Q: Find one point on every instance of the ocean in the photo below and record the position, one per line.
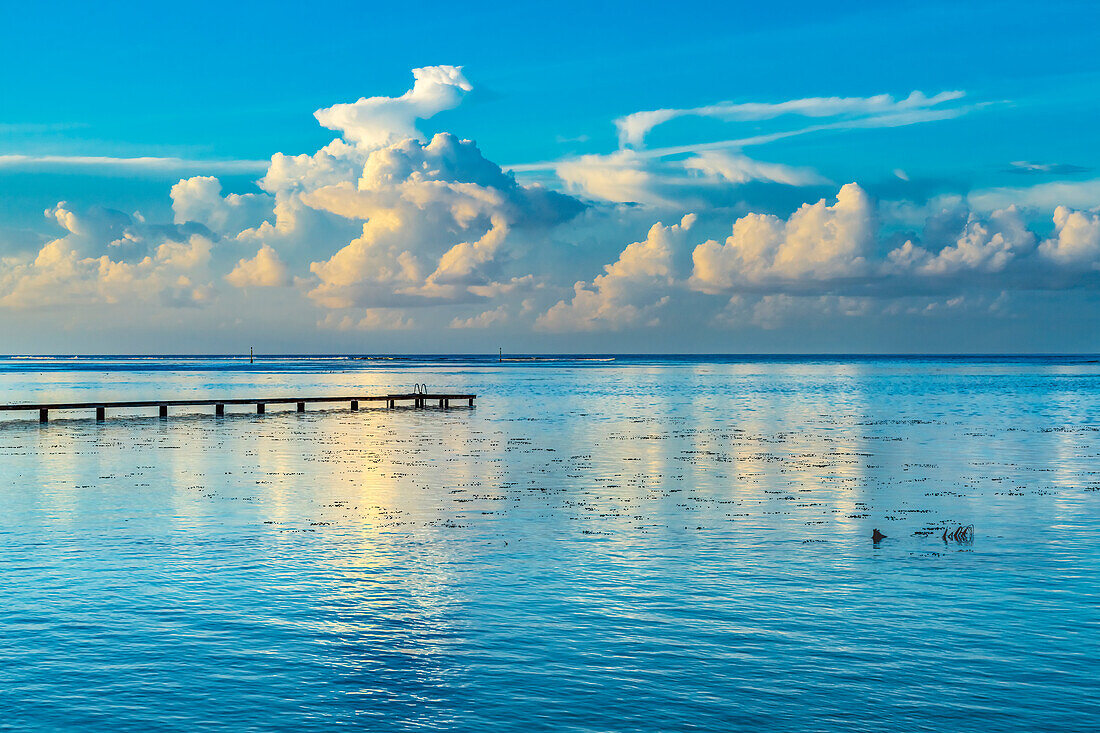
(609, 543)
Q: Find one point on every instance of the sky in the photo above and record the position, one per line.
(783, 177)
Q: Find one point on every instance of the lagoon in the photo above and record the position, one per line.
(604, 543)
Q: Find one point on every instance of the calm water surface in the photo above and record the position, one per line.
(632, 545)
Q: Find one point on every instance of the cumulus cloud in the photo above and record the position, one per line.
(373, 319)
(199, 199)
(295, 228)
(487, 319)
(983, 245)
(107, 256)
(826, 258)
(631, 290)
(1076, 240)
(436, 218)
(377, 121)
(525, 283)
(836, 247)
(775, 310)
(265, 270)
(382, 217)
(817, 242)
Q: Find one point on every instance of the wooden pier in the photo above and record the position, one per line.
(417, 399)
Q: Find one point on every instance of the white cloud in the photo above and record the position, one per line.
(296, 228)
(776, 310)
(148, 163)
(1076, 240)
(782, 310)
(199, 199)
(657, 177)
(817, 242)
(737, 168)
(833, 249)
(373, 319)
(622, 176)
(436, 217)
(265, 270)
(631, 290)
(516, 284)
(984, 246)
(383, 219)
(1032, 168)
(629, 176)
(489, 318)
(881, 108)
(109, 257)
(378, 121)
(1076, 194)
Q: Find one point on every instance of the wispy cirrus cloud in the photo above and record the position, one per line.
(904, 113)
(681, 174)
(1083, 194)
(880, 108)
(1028, 167)
(630, 176)
(145, 162)
(18, 128)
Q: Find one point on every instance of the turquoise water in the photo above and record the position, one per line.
(640, 544)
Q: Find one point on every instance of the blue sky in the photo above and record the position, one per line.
(773, 106)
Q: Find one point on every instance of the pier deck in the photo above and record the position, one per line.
(418, 399)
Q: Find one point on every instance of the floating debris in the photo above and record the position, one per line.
(962, 534)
